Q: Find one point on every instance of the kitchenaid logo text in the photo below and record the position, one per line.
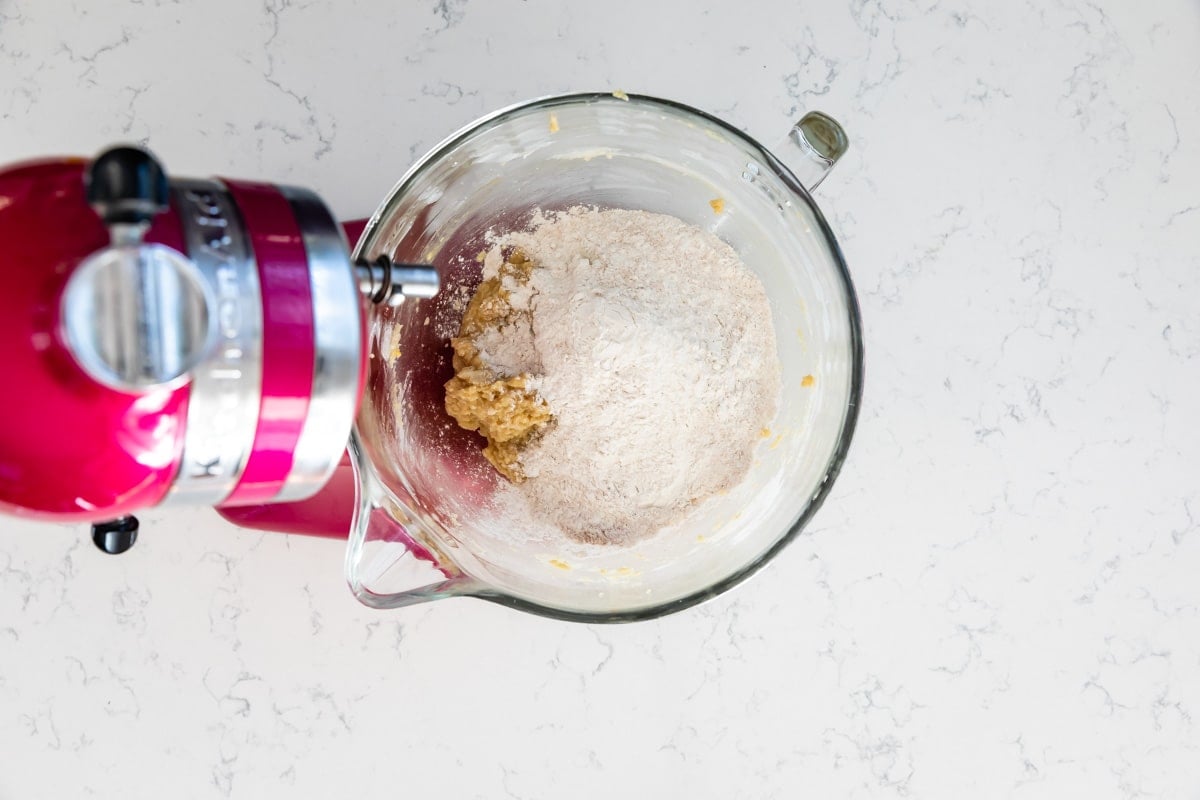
(219, 435)
(225, 368)
(214, 229)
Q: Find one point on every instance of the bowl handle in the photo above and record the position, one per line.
(813, 146)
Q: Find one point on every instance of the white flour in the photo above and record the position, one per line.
(653, 346)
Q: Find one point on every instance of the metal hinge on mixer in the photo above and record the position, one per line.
(384, 281)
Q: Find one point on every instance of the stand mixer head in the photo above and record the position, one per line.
(175, 340)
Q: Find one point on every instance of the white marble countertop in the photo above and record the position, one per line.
(1000, 597)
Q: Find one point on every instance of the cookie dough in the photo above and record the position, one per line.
(506, 409)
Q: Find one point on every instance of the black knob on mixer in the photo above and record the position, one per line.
(115, 536)
(126, 185)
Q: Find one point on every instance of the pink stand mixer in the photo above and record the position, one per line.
(215, 342)
(193, 341)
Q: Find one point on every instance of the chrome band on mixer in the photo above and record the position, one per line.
(226, 387)
(337, 345)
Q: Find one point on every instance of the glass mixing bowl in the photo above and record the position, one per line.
(425, 527)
